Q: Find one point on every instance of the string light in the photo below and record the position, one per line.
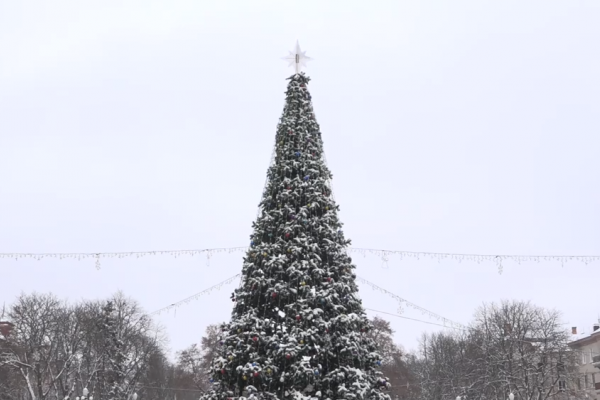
(196, 296)
(401, 302)
(447, 323)
(414, 319)
(499, 260)
(478, 258)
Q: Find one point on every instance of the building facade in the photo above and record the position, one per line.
(587, 347)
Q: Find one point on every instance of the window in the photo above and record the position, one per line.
(594, 379)
(562, 385)
(585, 381)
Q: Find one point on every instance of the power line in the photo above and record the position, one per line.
(171, 388)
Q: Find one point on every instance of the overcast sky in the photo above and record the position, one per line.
(461, 127)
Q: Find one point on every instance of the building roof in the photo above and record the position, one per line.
(584, 339)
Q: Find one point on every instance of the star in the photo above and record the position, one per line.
(297, 58)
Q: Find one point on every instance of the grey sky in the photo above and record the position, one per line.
(464, 127)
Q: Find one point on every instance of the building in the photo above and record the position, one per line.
(588, 348)
(5, 329)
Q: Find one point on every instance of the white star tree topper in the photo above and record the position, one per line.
(297, 58)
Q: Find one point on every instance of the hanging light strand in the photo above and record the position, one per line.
(403, 302)
(478, 258)
(196, 296)
(499, 259)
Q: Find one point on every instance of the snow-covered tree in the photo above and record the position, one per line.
(298, 329)
(196, 360)
(115, 356)
(513, 346)
(394, 366)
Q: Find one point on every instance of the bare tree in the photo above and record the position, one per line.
(43, 344)
(527, 349)
(511, 347)
(196, 360)
(55, 350)
(403, 382)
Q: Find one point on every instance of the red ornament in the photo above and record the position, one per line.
(273, 295)
(326, 330)
(328, 279)
(298, 317)
(287, 235)
(223, 371)
(288, 356)
(256, 374)
(255, 338)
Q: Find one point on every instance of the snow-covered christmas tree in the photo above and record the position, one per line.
(298, 329)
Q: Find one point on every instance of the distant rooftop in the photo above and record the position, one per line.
(583, 338)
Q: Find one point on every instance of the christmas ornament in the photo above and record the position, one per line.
(288, 356)
(256, 374)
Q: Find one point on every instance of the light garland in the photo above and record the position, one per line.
(125, 254)
(383, 254)
(404, 302)
(414, 319)
(196, 296)
(478, 258)
(401, 301)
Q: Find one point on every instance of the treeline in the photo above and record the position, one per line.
(53, 350)
(50, 349)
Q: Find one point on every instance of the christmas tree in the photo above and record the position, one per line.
(298, 329)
